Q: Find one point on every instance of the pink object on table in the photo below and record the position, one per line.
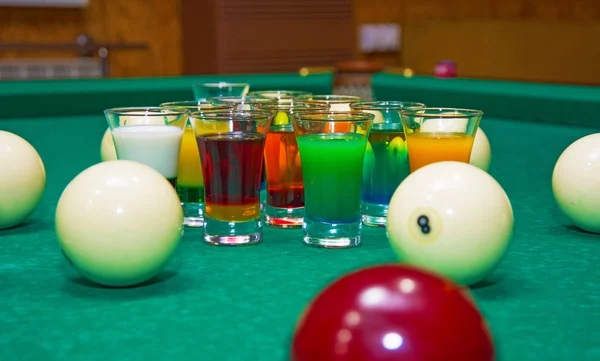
(445, 69)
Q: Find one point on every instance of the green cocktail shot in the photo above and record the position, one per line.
(332, 192)
(332, 150)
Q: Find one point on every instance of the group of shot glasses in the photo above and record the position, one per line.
(328, 164)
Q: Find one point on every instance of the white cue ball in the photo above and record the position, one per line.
(443, 125)
(481, 155)
(378, 116)
(576, 182)
(22, 179)
(107, 147)
(339, 107)
(119, 222)
(451, 218)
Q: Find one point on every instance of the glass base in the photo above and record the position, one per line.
(193, 214)
(245, 240)
(284, 217)
(222, 233)
(193, 222)
(332, 235)
(374, 215)
(263, 200)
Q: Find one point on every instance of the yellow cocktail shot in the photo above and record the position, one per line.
(190, 181)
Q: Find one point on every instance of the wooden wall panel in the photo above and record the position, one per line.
(543, 40)
(378, 11)
(39, 25)
(411, 10)
(261, 36)
(227, 35)
(284, 35)
(200, 41)
(545, 51)
(156, 22)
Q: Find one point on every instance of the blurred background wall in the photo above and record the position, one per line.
(536, 40)
(542, 40)
(156, 23)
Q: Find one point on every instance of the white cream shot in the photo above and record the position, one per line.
(154, 145)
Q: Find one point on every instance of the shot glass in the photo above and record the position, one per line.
(439, 134)
(190, 184)
(149, 135)
(386, 158)
(244, 103)
(204, 91)
(336, 103)
(285, 186)
(332, 149)
(280, 94)
(249, 103)
(231, 149)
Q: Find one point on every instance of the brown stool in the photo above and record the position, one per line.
(354, 77)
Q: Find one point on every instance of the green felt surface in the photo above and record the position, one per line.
(542, 303)
(212, 303)
(89, 96)
(552, 103)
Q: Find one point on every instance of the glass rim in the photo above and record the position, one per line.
(222, 84)
(159, 111)
(234, 115)
(293, 106)
(334, 116)
(329, 98)
(386, 105)
(242, 99)
(291, 93)
(452, 113)
(193, 104)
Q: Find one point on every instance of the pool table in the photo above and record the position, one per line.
(214, 303)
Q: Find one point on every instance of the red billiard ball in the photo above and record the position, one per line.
(392, 312)
(445, 69)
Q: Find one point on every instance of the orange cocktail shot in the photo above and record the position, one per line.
(190, 183)
(285, 184)
(439, 134)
